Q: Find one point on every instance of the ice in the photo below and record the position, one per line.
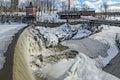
(108, 35)
(84, 69)
(59, 69)
(82, 33)
(52, 36)
(101, 46)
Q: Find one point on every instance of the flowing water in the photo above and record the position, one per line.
(21, 68)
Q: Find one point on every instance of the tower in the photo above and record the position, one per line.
(14, 4)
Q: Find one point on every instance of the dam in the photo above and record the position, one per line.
(15, 67)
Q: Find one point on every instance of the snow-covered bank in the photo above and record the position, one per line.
(52, 36)
(84, 69)
(42, 39)
(108, 35)
(113, 18)
(6, 33)
(100, 46)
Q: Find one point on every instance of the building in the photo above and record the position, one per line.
(31, 10)
(76, 14)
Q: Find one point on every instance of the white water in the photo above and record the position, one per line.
(21, 66)
(80, 68)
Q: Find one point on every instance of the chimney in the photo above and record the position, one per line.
(69, 5)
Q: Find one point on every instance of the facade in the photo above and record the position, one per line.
(31, 10)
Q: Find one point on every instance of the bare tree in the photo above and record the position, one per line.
(105, 9)
(64, 7)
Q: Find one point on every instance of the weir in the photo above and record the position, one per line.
(6, 73)
(21, 68)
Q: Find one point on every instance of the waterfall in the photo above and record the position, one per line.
(21, 67)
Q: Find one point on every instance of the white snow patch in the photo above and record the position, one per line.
(84, 69)
(108, 35)
(55, 71)
(53, 36)
(102, 44)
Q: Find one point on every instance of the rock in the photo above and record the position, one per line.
(38, 63)
(71, 54)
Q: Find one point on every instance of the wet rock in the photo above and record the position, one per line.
(71, 54)
(59, 48)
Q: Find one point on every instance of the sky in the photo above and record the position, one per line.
(78, 0)
(82, 0)
(77, 3)
(92, 0)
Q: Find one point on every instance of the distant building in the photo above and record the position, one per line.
(76, 14)
(31, 10)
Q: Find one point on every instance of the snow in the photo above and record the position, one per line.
(57, 70)
(82, 34)
(101, 46)
(44, 17)
(6, 33)
(109, 36)
(84, 69)
(95, 52)
(52, 36)
(54, 17)
(113, 18)
(14, 13)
